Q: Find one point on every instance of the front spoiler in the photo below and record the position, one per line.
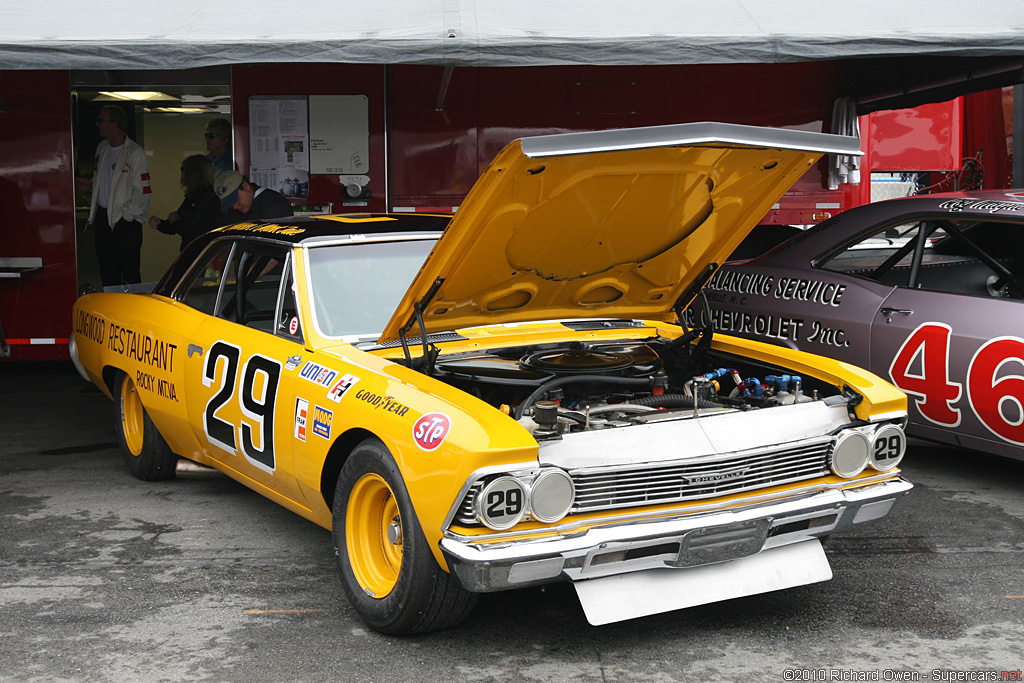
(677, 542)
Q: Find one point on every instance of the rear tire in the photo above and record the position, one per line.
(394, 584)
(145, 453)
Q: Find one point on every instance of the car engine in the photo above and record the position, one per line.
(552, 389)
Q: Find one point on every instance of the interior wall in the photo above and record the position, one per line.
(168, 139)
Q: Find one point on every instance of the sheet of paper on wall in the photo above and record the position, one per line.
(339, 134)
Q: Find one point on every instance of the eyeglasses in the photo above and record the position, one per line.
(210, 136)
(102, 120)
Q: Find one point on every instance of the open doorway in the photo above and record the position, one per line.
(167, 115)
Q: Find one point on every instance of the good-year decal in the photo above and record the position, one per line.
(256, 387)
(995, 385)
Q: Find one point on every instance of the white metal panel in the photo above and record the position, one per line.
(639, 594)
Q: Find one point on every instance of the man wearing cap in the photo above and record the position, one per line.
(254, 202)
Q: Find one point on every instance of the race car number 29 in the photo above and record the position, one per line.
(256, 430)
(921, 369)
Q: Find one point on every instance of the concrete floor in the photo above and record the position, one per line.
(106, 578)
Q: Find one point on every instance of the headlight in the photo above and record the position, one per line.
(502, 503)
(850, 455)
(551, 495)
(887, 448)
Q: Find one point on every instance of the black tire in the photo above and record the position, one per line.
(145, 453)
(396, 588)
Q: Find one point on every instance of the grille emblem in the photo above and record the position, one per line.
(716, 478)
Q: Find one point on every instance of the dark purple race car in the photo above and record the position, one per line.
(927, 291)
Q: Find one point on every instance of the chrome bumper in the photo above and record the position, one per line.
(682, 541)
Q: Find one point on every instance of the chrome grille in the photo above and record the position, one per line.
(604, 489)
(622, 487)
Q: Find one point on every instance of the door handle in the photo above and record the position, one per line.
(887, 311)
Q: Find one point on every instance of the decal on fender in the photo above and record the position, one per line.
(322, 419)
(301, 415)
(341, 387)
(430, 431)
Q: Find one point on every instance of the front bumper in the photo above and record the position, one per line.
(683, 541)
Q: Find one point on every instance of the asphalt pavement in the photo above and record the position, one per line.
(106, 578)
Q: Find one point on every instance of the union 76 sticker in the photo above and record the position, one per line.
(430, 431)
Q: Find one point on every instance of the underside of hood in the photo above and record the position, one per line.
(618, 224)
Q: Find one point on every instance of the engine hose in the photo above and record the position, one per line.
(574, 379)
(673, 401)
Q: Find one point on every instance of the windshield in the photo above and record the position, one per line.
(357, 287)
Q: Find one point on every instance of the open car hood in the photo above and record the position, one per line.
(618, 224)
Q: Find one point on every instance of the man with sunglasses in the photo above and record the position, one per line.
(120, 199)
(218, 147)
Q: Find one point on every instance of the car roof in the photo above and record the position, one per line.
(298, 229)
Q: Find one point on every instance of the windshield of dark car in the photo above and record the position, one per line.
(355, 288)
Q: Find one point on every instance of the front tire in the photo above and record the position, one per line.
(387, 568)
(146, 454)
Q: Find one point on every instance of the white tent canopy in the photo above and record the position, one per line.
(185, 34)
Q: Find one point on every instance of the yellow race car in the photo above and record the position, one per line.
(508, 397)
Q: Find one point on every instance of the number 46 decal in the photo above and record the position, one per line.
(998, 402)
(256, 429)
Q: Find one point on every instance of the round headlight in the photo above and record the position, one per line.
(502, 503)
(887, 448)
(551, 496)
(850, 455)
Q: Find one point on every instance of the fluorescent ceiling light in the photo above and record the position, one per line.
(134, 95)
(178, 110)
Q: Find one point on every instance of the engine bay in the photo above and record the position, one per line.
(558, 388)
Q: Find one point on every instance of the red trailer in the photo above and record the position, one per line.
(416, 138)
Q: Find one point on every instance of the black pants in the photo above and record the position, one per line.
(118, 249)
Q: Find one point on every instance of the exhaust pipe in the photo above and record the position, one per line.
(189, 469)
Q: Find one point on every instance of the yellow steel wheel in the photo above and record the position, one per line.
(132, 417)
(143, 449)
(376, 559)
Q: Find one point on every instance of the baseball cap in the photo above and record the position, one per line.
(227, 182)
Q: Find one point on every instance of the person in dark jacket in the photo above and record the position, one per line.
(200, 211)
(254, 202)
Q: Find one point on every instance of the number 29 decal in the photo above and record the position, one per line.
(995, 385)
(257, 395)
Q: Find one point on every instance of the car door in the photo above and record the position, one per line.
(953, 339)
(242, 360)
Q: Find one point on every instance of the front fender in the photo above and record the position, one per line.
(881, 398)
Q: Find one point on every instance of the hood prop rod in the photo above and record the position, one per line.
(696, 287)
(417, 317)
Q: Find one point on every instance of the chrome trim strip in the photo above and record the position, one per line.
(593, 554)
(705, 132)
(707, 508)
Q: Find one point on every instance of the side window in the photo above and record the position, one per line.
(975, 258)
(257, 290)
(288, 325)
(199, 288)
(885, 256)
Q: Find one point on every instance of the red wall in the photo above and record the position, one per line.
(437, 154)
(37, 213)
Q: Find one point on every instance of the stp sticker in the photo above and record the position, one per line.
(301, 414)
(342, 386)
(430, 431)
(293, 325)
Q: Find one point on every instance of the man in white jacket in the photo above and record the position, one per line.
(120, 199)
